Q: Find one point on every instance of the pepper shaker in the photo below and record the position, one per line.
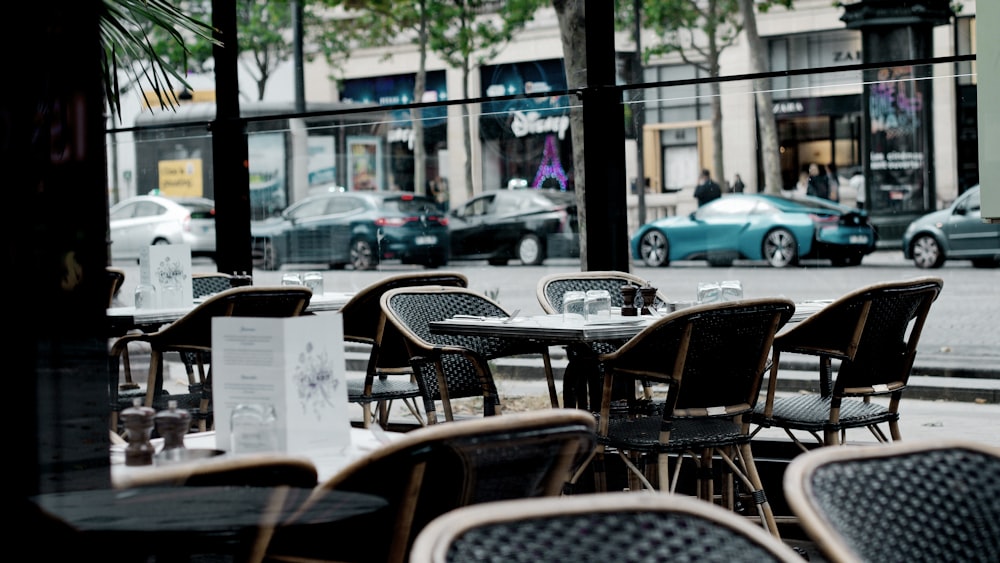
(628, 300)
(172, 424)
(138, 428)
(648, 294)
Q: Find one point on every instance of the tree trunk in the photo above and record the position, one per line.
(419, 86)
(769, 148)
(572, 31)
(718, 168)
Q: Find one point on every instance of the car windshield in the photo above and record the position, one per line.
(199, 210)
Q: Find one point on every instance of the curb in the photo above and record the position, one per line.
(935, 378)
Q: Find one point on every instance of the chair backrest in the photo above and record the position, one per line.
(194, 330)
(250, 470)
(874, 331)
(364, 311)
(550, 289)
(210, 283)
(361, 314)
(596, 528)
(715, 355)
(115, 277)
(434, 469)
(900, 501)
(463, 359)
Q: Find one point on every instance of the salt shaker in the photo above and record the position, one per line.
(648, 294)
(138, 428)
(172, 424)
(628, 300)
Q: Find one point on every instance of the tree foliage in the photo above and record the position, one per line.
(129, 31)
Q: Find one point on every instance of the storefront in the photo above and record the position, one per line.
(526, 142)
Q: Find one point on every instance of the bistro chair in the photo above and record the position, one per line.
(435, 469)
(116, 278)
(936, 500)
(448, 366)
(873, 332)
(203, 285)
(245, 470)
(193, 333)
(596, 528)
(711, 360)
(583, 372)
(388, 358)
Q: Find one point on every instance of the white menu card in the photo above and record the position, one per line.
(296, 365)
(167, 267)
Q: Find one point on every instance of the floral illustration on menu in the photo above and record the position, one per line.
(315, 381)
(171, 272)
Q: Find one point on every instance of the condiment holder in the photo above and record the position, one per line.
(138, 421)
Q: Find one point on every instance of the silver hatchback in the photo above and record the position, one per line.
(957, 232)
(145, 220)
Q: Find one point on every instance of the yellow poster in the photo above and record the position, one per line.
(181, 178)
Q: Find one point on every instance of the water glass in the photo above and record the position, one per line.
(574, 303)
(172, 297)
(291, 279)
(598, 305)
(314, 281)
(709, 292)
(732, 290)
(253, 428)
(145, 296)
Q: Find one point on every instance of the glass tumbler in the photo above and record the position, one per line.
(253, 427)
(145, 296)
(291, 279)
(314, 281)
(574, 306)
(732, 290)
(598, 305)
(709, 292)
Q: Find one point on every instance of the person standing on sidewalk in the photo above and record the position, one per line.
(738, 184)
(819, 183)
(707, 189)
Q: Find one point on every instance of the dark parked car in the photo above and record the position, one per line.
(356, 228)
(526, 224)
(955, 233)
(773, 228)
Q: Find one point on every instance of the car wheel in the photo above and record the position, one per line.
(986, 263)
(362, 255)
(161, 241)
(926, 252)
(530, 251)
(654, 249)
(780, 249)
(266, 256)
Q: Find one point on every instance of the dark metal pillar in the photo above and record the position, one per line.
(230, 153)
(897, 104)
(604, 139)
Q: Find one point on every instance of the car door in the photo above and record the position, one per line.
(136, 225)
(469, 235)
(340, 225)
(717, 226)
(966, 231)
(307, 235)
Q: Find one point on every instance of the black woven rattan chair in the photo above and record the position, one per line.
(193, 333)
(874, 333)
(116, 278)
(446, 366)
(388, 358)
(582, 372)
(899, 502)
(711, 358)
(596, 528)
(203, 285)
(434, 469)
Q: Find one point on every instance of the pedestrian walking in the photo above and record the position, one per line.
(738, 184)
(707, 189)
(819, 183)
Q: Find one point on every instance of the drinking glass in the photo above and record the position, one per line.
(598, 305)
(709, 292)
(574, 305)
(291, 279)
(732, 290)
(314, 281)
(253, 427)
(145, 296)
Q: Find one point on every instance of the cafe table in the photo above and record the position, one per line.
(124, 319)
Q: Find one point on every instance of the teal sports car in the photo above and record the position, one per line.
(776, 229)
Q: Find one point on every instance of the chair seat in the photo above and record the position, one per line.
(811, 413)
(383, 389)
(643, 434)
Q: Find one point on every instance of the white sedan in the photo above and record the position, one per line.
(141, 221)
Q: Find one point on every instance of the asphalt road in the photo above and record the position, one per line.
(962, 324)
